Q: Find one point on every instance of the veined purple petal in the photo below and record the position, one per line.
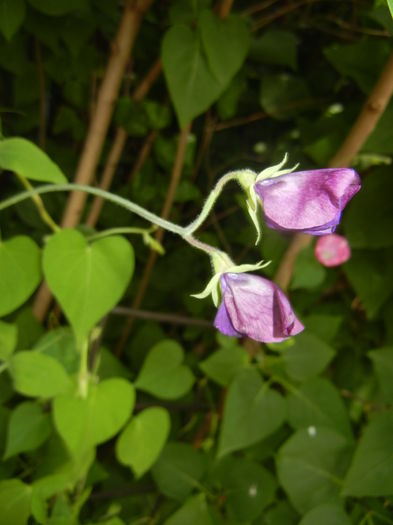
(256, 307)
(307, 201)
(223, 323)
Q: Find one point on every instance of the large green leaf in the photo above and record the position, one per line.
(178, 470)
(12, 14)
(318, 403)
(368, 222)
(383, 365)
(26, 159)
(225, 43)
(247, 487)
(87, 279)
(143, 439)
(194, 512)
(8, 339)
(252, 411)
(20, 272)
(163, 374)
(311, 465)
(84, 423)
(28, 428)
(370, 274)
(38, 375)
(326, 514)
(303, 357)
(14, 502)
(191, 83)
(371, 472)
(224, 364)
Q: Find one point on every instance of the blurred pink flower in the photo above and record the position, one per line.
(332, 250)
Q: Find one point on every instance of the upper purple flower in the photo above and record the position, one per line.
(255, 307)
(307, 201)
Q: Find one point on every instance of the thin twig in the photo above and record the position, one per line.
(161, 317)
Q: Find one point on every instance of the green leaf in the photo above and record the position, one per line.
(12, 14)
(143, 439)
(61, 345)
(318, 403)
(305, 356)
(282, 96)
(38, 375)
(248, 487)
(371, 472)
(59, 7)
(307, 272)
(326, 514)
(390, 4)
(178, 470)
(84, 423)
(194, 512)
(26, 159)
(192, 85)
(383, 365)
(20, 272)
(311, 465)
(281, 514)
(277, 48)
(14, 502)
(371, 229)
(8, 339)
(224, 364)
(163, 374)
(87, 279)
(252, 411)
(225, 43)
(361, 62)
(28, 428)
(369, 272)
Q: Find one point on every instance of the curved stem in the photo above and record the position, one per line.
(115, 199)
(215, 193)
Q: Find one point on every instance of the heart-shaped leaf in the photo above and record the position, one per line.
(84, 423)
(20, 272)
(225, 43)
(162, 373)
(28, 428)
(87, 279)
(191, 83)
(252, 411)
(8, 339)
(12, 14)
(26, 159)
(38, 375)
(141, 442)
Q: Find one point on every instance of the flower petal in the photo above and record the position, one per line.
(223, 323)
(332, 250)
(307, 201)
(258, 308)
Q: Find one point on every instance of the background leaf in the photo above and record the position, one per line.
(26, 159)
(141, 442)
(12, 14)
(19, 270)
(87, 280)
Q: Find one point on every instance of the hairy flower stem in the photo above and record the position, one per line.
(184, 232)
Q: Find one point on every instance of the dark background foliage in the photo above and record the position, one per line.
(221, 431)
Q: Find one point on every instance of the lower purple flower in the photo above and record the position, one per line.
(307, 201)
(255, 307)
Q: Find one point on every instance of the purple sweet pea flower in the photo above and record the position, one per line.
(255, 307)
(307, 201)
